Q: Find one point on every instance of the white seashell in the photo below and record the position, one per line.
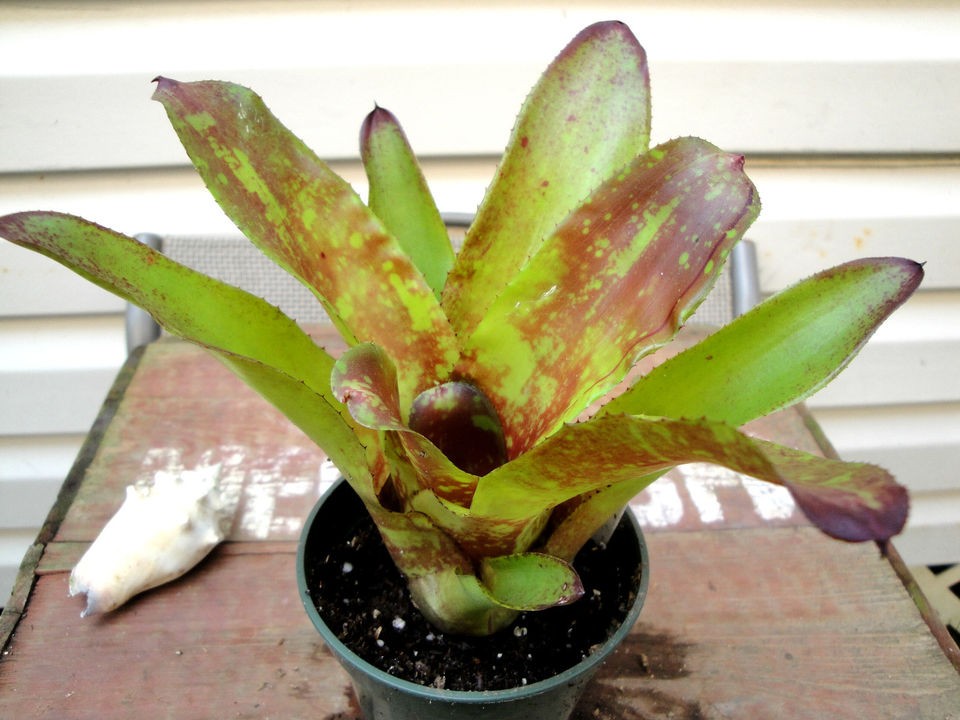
(158, 534)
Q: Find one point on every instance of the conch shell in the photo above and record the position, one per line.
(160, 532)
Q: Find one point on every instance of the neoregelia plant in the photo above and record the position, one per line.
(453, 412)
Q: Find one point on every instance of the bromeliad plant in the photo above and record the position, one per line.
(453, 414)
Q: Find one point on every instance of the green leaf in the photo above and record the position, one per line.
(779, 353)
(318, 418)
(586, 457)
(590, 512)
(365, 380)
(399, 196)
(458, 604)
(614, 282)
(261, 344)
(440, 577)
(530, 581)
(588, 116)
(418, 547)
(461, 603)
(312, 223)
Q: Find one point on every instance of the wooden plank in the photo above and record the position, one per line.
(228, 643)
(726, 632)
(815, 212)
(34, 285)
(840, 111)
(763, 618)
(30, 343)
(780, 623)
(25, 502)
(935, 522)
(32, 470)
(23, 585)
(185, 412)
(14, 544)
(930, 544)
(42, 458)
(63, 365)
(892, 373)
(31, 473)
(791, 249)
(69, 399)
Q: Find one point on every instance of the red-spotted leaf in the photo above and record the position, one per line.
(440, 577)
(848, 501)
(459, 419)
(585, 457)
(399, 196)
(417, 545)
(312, 223)
(481, 535)
(614, 282)
(581, 518)
(587, 117)
(365, 380)
(852, 501)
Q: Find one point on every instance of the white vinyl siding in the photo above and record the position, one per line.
(849, 116)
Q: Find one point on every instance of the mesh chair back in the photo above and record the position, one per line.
(736, 290)
(236, 261)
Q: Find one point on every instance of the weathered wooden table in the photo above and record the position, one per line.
(751, 613)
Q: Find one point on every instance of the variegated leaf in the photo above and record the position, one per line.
(312, 223)
(365, 380)
(530, 581)
(614, 282)
(852, 501)
(587, 117)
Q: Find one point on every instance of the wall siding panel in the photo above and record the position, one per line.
(853, 142)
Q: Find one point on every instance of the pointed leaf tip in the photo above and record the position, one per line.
(615, 280)
(604, 28)
(374, 120)
(401, 199)
(164, 85)
(850, 501)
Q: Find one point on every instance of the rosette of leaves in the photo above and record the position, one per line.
(453, 413)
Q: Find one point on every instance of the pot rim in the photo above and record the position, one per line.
(584, 667)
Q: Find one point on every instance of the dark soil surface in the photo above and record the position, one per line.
(363, 599)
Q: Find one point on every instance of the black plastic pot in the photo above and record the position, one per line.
(384, 697)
